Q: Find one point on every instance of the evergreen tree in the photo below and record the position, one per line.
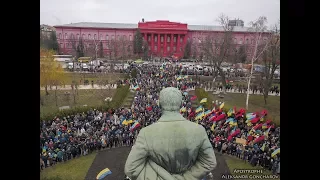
(101, 50)
(187, 50)
(137, 42)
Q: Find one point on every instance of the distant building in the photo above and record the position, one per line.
(164, 38)
(236, 22)
(46, 31)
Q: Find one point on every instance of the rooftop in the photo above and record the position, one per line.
(134, 26)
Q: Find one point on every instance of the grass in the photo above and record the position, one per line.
(256, 103)
(92, 77)
(235, 163)
(75, 169)
(89, 97)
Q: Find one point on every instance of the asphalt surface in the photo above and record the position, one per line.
(115, 160)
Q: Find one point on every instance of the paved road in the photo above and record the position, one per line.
(115, 159)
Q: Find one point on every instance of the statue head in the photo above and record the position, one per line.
(170, 99)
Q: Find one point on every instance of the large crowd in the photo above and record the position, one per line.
(65, 138)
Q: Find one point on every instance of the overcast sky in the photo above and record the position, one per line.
(201, 12)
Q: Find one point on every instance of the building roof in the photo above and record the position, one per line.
(215, 28)
(134, 26)
(101, 25)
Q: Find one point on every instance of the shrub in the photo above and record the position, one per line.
(117, 100)
(134, 73)
(201, 93)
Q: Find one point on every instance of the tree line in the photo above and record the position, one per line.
(221, 48)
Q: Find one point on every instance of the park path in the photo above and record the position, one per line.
(115, 159)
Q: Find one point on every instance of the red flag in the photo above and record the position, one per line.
(261, 138)
(258, 126)
(255, 120)
(193, 98)
(236, 132)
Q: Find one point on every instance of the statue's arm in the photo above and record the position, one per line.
(206, 161)
(137, 157)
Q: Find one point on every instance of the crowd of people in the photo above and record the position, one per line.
(65, 138)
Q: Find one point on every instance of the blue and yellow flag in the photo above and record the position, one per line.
(263, 147)
(266, 133)
(183, 109)
(212, 127)
(200, 108)
(221, 105)
(204, 100)
(230, 112)
(199, 116)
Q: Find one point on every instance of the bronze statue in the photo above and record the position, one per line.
(173, 148)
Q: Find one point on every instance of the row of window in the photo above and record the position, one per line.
(234, 40)
(162, 39)
(168, 48)
(94, 36)
(106, 46)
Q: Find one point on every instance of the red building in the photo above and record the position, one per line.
(164, 38)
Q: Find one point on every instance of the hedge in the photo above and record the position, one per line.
(201, 93)
(117, 100)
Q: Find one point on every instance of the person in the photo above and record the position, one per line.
(172, 148)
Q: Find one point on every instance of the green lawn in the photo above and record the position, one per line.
(235, 163)
(256, 103)
(89, 97)
(92, 77)
(75, 169)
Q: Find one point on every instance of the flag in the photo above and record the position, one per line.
(258, 126)
(105, 172)
(122, 119)
(221, 105)
(261, 138)
(263, 147)
(127, 122)
(233, 130)
(135, 126)
(212, 127)
(199, 116)
(229, 120)
(264, 126)
(275, 152)
(137, 88)
(149, 107)
(200, 108)
(229, 113)
(250, 116)
(193, 98)
(204, 100)
(266, 133)
(213, 109)
(183, 109)
(208, 112)
(233, 123)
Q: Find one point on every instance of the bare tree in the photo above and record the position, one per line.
(113, 48)
(94, 46)
(258, 29)
(271, 60)
(218, 49)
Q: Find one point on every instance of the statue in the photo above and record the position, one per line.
(171, 149)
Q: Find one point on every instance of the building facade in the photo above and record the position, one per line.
(164, 38)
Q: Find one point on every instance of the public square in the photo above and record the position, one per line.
(100, 84)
